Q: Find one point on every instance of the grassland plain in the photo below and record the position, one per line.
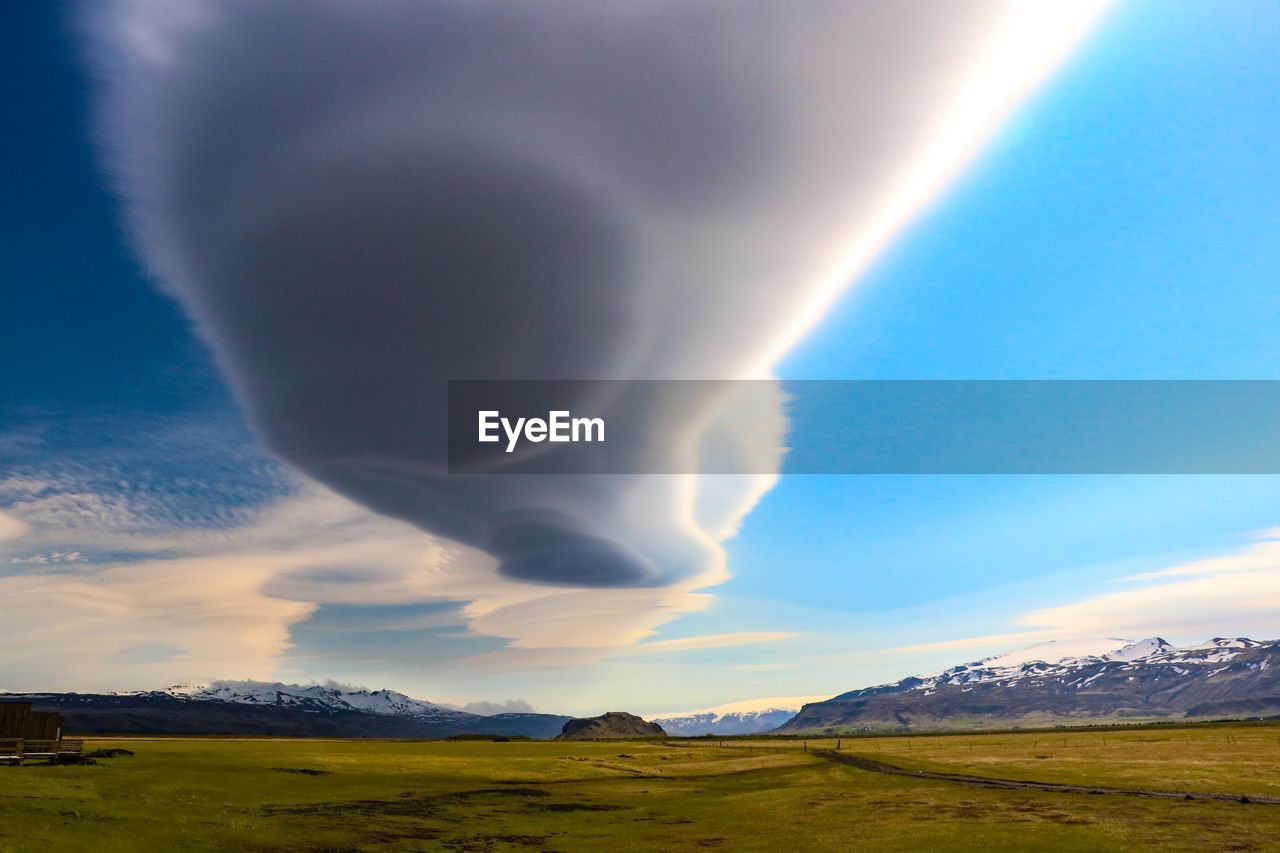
(765, 794)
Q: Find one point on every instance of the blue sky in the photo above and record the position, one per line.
(1121, 224)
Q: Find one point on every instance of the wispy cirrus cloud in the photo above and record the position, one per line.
(1237, 593)
(1005, 640)
(172, 479)
(11, 527)
(1263, 555)
(714, 641)
(142, 598)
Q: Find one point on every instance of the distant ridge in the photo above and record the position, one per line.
(726, 723)
(1108, 680)
(314, 697)
(286, 710)
(1104, 680)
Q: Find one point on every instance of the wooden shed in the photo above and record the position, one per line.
(13, 719)
(25, 733)
(42, 725)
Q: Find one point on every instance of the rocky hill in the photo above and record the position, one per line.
(615, 724)
(1050, 684)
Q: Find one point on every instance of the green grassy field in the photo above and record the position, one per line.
(212, 794)
(1232, 759)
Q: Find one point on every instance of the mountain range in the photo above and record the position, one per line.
(1103, 681)
(725, 723)
(270, 708)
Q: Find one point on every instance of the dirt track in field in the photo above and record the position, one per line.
(870, 765)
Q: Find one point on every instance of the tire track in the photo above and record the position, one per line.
(870, 765)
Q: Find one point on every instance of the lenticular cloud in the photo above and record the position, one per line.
(359, 201)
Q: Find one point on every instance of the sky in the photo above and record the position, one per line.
(208, 469)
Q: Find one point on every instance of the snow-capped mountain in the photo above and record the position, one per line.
(752, 716)
(732, 723)
(272, 708)
(316, 697)
(1051, 683)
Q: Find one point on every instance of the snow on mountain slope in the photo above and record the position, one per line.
(1139, 650)
(1056, 650)
(1114, 680)
(286, 710)
(1047, 659)
(747, 706)
(733, 723)
(318, 697)
(750, 716)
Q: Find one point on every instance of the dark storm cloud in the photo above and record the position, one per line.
(360, 201)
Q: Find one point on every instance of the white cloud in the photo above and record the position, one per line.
(1264, 556)
(11, 527)
(488, 709)
(1235, 593)
(81, 631)
(1010, 639)
(714, 641)
(746, 706)
(224, 602)
(46, 559)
